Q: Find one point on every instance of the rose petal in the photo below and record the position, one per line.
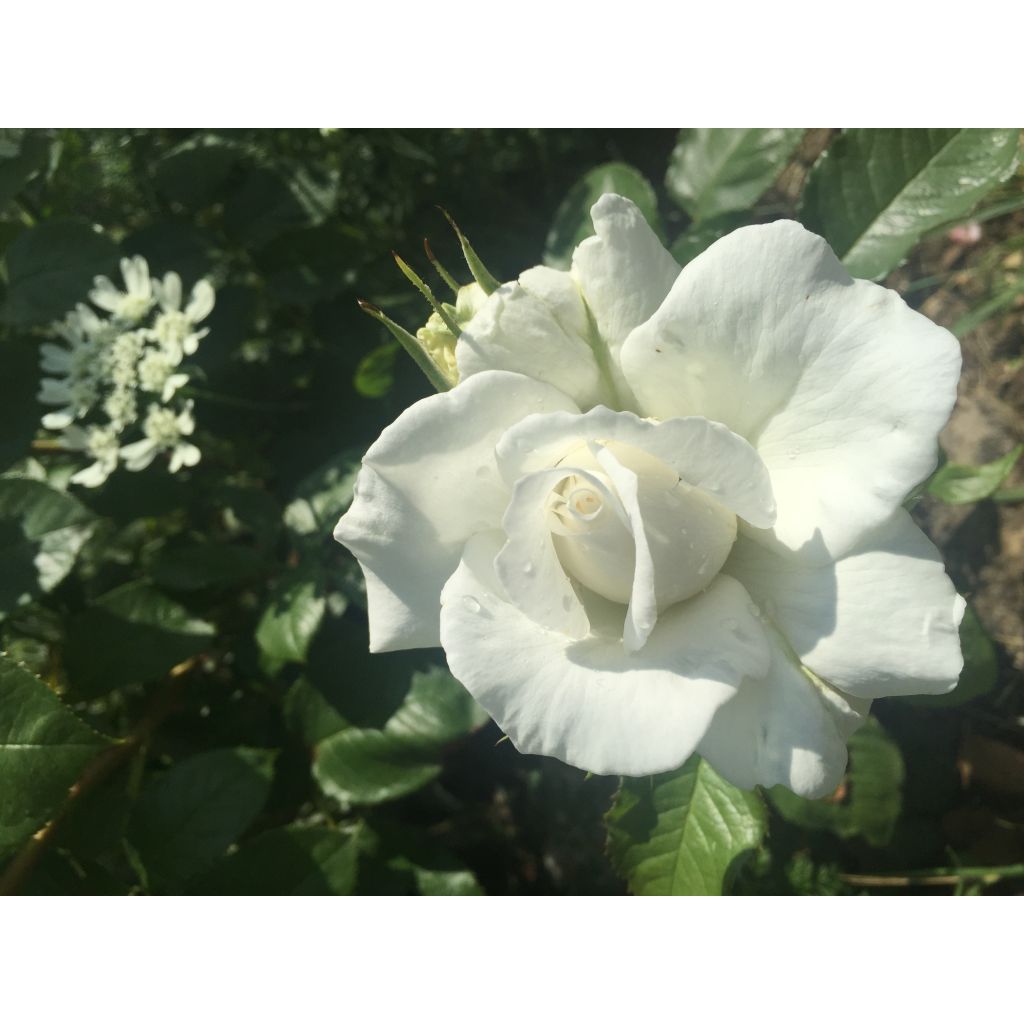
(542, 333)
(840, 386)
(623, 271)
(783, 730)
(427, 484)
(881, 621)
(704, 454)
(589, 702)
(642, 613)
(528, 566)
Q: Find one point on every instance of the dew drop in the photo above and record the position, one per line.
(566, 602)
(528, 568)
(482, 471)
(471, 604)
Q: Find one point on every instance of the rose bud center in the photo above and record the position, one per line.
(688, 532)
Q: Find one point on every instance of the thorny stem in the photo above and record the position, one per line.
(96, 771)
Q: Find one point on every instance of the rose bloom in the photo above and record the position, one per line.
(661, 512)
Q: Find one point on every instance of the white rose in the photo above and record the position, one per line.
(661, 511)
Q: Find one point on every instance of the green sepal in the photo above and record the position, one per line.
(411, 345)
(481, 274)
(427, 293)
(440, 268)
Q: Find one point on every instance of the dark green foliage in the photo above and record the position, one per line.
(50, 267)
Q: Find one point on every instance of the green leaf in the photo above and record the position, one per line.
(41, 532)
(205, 564)
(347, 686)
(956, 484)
(261, 207)
(402, 861)
(324, 495)
(188, 816)
(21, 159)
(368, 766)
(572, 221)
(698, 237)
(876, 191)
(293, 614)
(297, 860)
(981, 667)
(681, 833)
(173, 246)
(133, 634)
(43, 750)
(872, 799)
(716, 170)
(20, 410)
(50, 267)
(375, 374)
(196, 172)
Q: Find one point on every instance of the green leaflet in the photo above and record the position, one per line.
(43, 749)
(681, 834)
(368, 766)
(876, 191)
(296, 860)
(133, 634)
(187, 816)
(718, 170)
(293, 613)
(41, 532)
(50, 267)
(957, 484)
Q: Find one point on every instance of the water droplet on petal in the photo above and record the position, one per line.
(566, 602)
(528, 568)
(471, 604)
(482, 471)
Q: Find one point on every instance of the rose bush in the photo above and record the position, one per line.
(661, 512)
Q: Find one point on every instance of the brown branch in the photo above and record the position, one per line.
(164, 703)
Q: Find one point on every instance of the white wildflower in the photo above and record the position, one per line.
(164, 430)
(122, 408)
(157, 376)
(133, 304)
(174, 328)
(108, 361)
(98, 442)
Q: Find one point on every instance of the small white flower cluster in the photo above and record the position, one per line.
(112, 365)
